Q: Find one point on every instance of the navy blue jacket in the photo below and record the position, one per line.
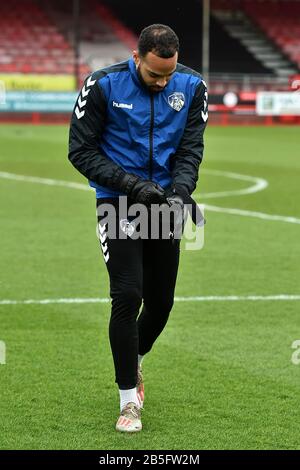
(118, 124)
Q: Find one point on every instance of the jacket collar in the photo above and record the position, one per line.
(136, 76)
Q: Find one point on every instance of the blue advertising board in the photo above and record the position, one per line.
(42, 102)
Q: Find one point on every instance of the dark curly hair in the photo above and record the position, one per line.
(159, 39)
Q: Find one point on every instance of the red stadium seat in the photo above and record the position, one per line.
(30, 42)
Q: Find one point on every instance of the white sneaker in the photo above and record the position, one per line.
(130, 419)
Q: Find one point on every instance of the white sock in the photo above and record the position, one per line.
(140, 359)
(127, 396)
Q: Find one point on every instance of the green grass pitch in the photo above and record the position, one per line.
(220, 376)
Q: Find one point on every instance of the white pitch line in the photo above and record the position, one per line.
(56, 301)
(46, 181)
(209, 298)
(257, 215)
(85, 187)
(259, 185)
(232, 298)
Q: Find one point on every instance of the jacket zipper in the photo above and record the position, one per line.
(151, 137)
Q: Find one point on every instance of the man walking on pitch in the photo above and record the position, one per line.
(137, 131)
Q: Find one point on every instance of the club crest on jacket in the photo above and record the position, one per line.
(176, 100)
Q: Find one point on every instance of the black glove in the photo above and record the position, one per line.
(173, 197)
(194, 210)
(142, 191)
(175, 201)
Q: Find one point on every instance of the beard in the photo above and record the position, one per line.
(153, 88)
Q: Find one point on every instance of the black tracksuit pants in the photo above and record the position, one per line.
(142, 273)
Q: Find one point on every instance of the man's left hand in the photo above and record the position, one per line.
(175, 201)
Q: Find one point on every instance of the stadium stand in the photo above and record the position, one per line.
(280, 22)
(99, 44)
(31, 43)
(37, 36)
(269, 29)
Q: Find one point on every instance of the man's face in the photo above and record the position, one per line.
(155, 71)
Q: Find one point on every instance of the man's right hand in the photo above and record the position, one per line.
(143, 191)
(147, 192)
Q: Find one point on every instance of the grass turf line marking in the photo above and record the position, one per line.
(257, 215)
(259, 185)
(46, 181)
(232, 211)
(207, 298)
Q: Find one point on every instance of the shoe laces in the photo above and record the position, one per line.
(131, 409)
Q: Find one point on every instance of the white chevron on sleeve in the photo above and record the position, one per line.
(79, 113)
(204, 116)
(90, 81)
(102, 228)
(102, 238)
(104, 248)
(85, 92)
(81, 103)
